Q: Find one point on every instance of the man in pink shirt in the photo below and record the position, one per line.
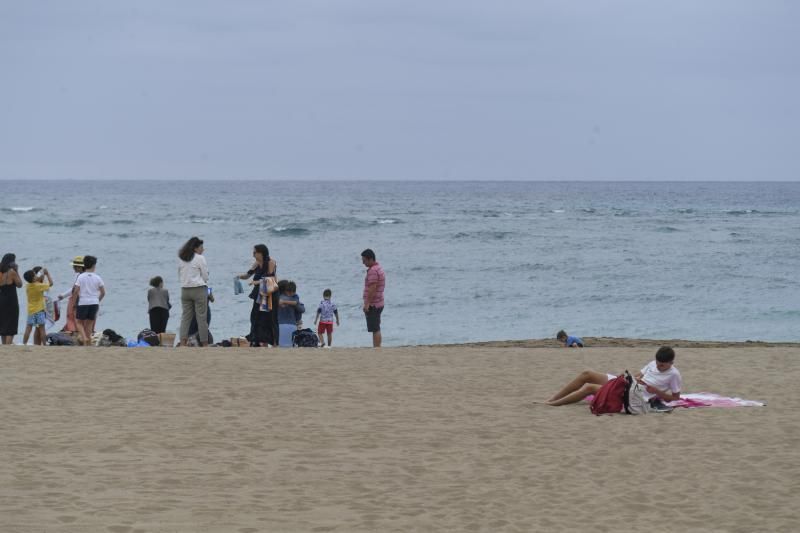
(373, 295)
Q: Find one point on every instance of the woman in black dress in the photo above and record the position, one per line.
(9, 304)
(263, 325)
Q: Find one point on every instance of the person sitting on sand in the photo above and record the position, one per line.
(569, 341)
(660, 378)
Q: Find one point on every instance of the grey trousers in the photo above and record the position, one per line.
(194, 301)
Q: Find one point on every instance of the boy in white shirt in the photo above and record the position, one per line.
(326, 312)
(660, 378)
(90, 291)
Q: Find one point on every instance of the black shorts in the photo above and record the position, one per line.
(86, 312)
(373, 315)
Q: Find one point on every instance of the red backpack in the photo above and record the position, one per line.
(610, 397)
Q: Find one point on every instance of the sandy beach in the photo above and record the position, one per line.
(402, 439)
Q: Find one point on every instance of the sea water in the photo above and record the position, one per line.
(464, 261)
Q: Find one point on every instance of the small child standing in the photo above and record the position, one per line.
(35, 290)
(90, 292)
(570, 341)
(325, 313)
(158, 305)
(290, 313)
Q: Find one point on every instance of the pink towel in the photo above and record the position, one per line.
(709, 399)
(705, 399)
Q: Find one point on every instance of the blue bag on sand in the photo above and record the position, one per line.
(134, 343)
(237, 286)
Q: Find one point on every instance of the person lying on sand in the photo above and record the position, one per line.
(569, 341)
(660, 379)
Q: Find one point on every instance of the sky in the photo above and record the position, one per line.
(409, 89)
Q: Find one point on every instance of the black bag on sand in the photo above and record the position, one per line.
(150, 337)
(60, 339)
(305, 338)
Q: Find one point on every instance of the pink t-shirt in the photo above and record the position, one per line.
(375, 275)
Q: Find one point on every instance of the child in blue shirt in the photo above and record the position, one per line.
(290, 313)
(570, 341)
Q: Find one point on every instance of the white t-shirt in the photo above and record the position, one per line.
(193, 273)
(89, 284)
(669, 380)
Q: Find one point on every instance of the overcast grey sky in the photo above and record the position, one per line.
(411, 89)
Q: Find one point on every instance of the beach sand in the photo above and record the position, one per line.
(401, 439)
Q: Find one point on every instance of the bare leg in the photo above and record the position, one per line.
(576, 396)
(376, 339)
(585, 377)
(330, 336)
(8, 339)
(39, 336)
(82, 336)
(27, 335)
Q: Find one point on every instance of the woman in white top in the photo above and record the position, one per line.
(193, 273)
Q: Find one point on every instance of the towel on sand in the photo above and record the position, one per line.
(709, 399)
(705, 399)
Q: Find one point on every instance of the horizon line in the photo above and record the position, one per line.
(416, 180)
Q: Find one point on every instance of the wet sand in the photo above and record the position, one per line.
(404, 439)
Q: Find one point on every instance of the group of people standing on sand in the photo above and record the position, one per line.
(85, 295)
(276, 310)
(275, 315)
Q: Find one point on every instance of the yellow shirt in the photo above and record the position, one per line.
(35, 292)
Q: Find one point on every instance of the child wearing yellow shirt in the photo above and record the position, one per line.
(35, 290)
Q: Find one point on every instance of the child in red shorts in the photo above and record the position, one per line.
(325, 313)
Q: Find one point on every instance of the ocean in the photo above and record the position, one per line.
(464, 261)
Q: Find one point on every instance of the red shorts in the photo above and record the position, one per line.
(325, 327)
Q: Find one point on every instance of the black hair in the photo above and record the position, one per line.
(326, 293)
(186, 252)
(282, 286)
(7, 262)
(665, 354)
(561, 335)
(155, 281)
(264, 251)
(369, 254)
(29, 276)
(89, 261)
(291, 286)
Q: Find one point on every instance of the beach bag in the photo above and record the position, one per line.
(305, 338)
(60, 339)
(111, 338)
(52, 310)
(634, 401)
(150, 337)
(610, 399)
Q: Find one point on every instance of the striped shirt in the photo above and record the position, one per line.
(375, 275)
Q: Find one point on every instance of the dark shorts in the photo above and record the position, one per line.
(87, 312)
(373, 315)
